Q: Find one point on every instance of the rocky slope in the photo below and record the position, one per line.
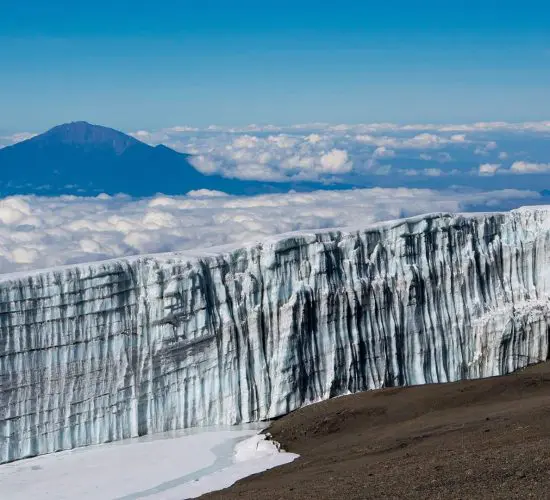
(105, 351)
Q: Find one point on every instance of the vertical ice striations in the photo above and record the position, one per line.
(95, 353)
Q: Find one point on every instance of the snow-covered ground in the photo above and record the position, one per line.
(171, 466)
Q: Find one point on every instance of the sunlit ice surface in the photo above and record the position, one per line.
(174, 465)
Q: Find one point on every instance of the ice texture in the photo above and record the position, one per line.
(116, 349)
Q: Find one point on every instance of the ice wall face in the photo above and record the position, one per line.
(111, 350)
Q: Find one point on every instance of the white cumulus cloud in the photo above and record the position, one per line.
(336, 161)
(488, 169)
(523, 167)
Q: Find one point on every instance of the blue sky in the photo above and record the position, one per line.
(138, 65)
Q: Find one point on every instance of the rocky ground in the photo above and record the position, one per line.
(474, 439)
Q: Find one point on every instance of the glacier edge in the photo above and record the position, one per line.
(132, 346)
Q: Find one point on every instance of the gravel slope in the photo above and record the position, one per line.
(474, 439)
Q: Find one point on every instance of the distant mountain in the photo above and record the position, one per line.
(80, 158)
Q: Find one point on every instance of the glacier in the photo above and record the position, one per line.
(116, 349)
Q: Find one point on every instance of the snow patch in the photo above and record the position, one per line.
(257, 446)
(161, 467)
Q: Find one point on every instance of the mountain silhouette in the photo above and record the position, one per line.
(80, 158)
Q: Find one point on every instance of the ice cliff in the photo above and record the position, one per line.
(105, 351)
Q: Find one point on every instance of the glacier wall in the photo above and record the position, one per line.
(106, 351)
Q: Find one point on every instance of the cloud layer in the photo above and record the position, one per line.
(38, 232)
(334, 152)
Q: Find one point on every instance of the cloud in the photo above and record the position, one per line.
(14, 210)
(183, 128)
(543, 126)
(38, 232)
(313, 156)
(141, 135)
(366, 128)
(420, 141)
(10, 140)
(383, 170)
(485, 149)
(275, 157)
(205, 164)
(523, 167)
(383, 152)
(314, 138)
(432, 172)
(336, 161)
(306, 151)
(429, 172)
(206, 193)
(488, 169)
(443, 157)
(245, 142)
(458, 138)
(284, 141)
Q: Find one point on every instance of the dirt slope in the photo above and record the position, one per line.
(473, 439)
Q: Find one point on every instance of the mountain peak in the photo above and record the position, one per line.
(85, 134)
(86, 159)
